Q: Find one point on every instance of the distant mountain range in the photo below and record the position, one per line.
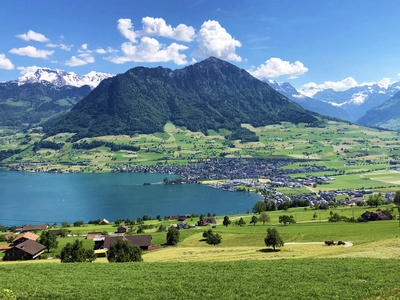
(60, 78)
(43, 94)
(386, 115)
(351, 105)
(212, 94)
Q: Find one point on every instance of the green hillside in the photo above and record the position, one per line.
(209, 95)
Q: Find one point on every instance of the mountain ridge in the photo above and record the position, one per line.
(211, 94)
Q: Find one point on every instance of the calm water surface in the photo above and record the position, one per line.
(48, 198)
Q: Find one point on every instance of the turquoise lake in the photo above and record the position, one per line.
(49, 198)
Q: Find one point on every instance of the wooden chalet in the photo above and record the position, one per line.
(376, 216)
(104, 222)
(29, 227)
(104, 242)
(207, 221)
(26, 250)
(182, 225)
(122, 229)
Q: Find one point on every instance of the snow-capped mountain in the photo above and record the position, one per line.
(324, 108)
(357, 100)
(61, 78)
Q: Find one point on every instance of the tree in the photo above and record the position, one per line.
(49, 240)
(65, 224)
(159, 218)
(139, 221)
(77, 253)
(335, 217)
(123, 251)
(78, 223)
(273, 238)
(162, 228)
(315, 216)
(64, 232)
(241, 222)
(214, 239)
(259, 207)
(117, 222)
(285, 219)
(172, 236)
(264, 217)
(396, 201)
(207, 233)
(254, 220)
(226, 221)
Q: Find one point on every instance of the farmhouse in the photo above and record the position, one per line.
(25, 237)
(26, 250)
(122, 229)
(376, 216)
(181, 225)
(104, 242)
(29, 227)
(207, 221)
(104, 222)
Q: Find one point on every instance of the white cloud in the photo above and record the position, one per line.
(82, 59)
(125, 26)
(61, 46)
(5, 63)
(31, 69)
(84, 46)
(104, 51)
(276, 67)
(150, 50)
(32, 52)
(31, 35)
(158, 27)
(214, 40)
(310, 89)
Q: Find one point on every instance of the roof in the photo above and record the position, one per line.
(29, 227)
(5, 247)
(137, 240)
(30, 247)
(91, 235)
(104, 221)
(209, 220)
(28, 235)
(123, 226)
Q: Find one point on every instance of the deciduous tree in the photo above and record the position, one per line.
(226, 221)
(264, 217)
(254, 220)
(273, 238)
(49, 240)
(172, 236)
(123, 251)
(77, 253)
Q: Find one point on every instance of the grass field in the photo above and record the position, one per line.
(337, 278)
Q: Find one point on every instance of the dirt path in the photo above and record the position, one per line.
(348, 244)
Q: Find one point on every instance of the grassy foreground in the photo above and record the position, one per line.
(338, 278)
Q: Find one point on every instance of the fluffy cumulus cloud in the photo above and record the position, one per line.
(214, 40)
(276, 67)
(125, 27)
(158, 27)
(34, 36)
(80, 60)
(150, 50)
(310, 89)
(32, 52)
(5, 63)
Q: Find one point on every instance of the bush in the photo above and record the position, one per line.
(76, 253)
(123, 251)
(172, 236)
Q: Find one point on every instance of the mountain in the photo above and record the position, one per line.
(211, 94)
(386, 115)
(36, 102)
(60, 78)
(321, 107)
(357, 100)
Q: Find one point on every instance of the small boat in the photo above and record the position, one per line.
(147, 183)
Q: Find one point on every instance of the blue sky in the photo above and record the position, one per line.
(336, 44)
